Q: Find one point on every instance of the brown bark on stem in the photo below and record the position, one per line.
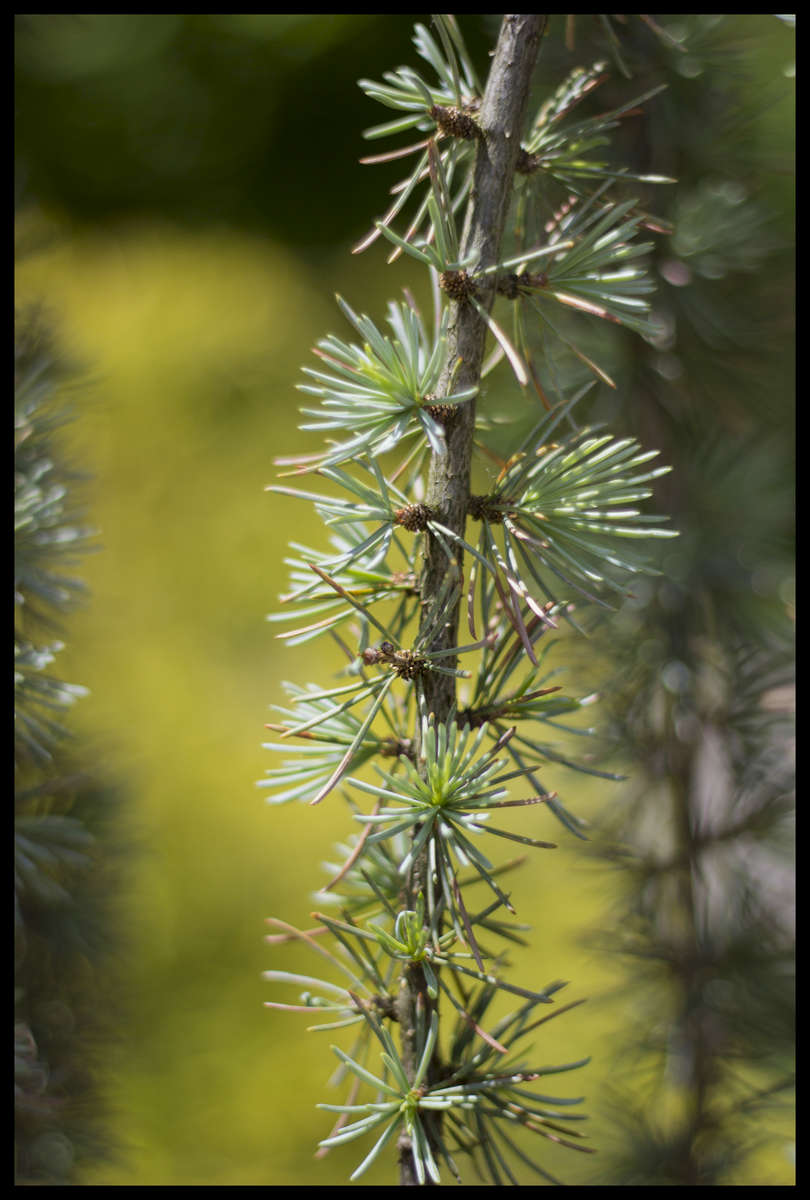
(501, 121)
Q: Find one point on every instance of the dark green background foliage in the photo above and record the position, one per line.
(188, 192)
(208, 118)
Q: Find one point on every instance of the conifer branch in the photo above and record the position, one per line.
(500, 121)
(554, 513)
(501, 117)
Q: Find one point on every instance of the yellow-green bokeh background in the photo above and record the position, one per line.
(191, 342)
(195, 341)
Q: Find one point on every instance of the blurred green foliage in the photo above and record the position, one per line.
(189, 184)
(248, 120)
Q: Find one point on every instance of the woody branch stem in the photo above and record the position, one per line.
(500, 121)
